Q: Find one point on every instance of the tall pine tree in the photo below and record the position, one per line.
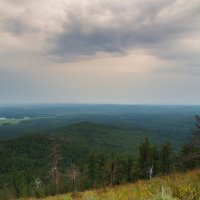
(145, 159)
(166, 158)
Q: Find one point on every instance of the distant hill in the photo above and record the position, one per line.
(99, 136)
(76, 138)
(166, 121)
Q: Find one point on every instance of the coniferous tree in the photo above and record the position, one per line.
(114, 169)
(186, 157)
(155, 160)
(190, 152)
(195, 138)
(145, 159)
(129, 169)
(121, 169)
(110, 169)
(92, 168)
(100, 168)
(166, 160)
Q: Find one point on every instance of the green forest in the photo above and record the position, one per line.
(88, 155)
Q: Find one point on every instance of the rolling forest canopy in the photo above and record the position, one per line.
(76, 147)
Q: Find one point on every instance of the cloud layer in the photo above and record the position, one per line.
(42, 35)
(74, 29)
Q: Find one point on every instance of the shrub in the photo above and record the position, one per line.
(164, 194)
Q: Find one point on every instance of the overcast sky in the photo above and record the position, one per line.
(100, 51)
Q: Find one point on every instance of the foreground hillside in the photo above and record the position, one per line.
(185, 186)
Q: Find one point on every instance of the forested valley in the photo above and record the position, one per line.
(88, 155)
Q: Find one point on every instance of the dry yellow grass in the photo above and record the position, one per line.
(184, 186)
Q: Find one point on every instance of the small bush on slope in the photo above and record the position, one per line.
(165, 194)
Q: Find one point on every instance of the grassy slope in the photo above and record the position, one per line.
(185, 186)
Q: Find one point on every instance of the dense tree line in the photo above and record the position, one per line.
(58, 172)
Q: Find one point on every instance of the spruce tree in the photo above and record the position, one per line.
(195, 138)
(92, 169)
(166, 155)
(155, 160)
(145, 159)
(190, 152)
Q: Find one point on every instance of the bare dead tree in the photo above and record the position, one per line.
(55, 157)
(72, 173)
(151, 172)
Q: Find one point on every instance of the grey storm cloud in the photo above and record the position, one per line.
(17, 27)
(154, 26)
(69, 30)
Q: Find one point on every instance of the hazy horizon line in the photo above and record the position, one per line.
(93, 103)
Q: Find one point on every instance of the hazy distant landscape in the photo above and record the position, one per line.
(168, 121)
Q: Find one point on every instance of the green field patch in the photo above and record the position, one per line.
(4, 121)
